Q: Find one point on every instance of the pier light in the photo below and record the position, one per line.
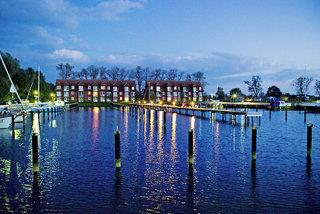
(35, 93)
(145, 102)
(192, 103)
(139, 102)
(151, 102)
(160, 102)
(174, 103)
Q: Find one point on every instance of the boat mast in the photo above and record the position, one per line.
(15, 89)
(38, 84)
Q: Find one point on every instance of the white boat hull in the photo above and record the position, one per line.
(5, 122)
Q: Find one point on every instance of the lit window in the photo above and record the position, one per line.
(58, 87)
(95, 94)
(103, 87)
(80, 88)
(72, 87)
(89, 87)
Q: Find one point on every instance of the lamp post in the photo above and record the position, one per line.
(35, 93)
(234, 96)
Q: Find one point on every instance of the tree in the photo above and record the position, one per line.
(220, 93)
(235, 91)
(93, 71)
(301, 85)
(65, 70)
(188, 77)
(138, 75)
(103, 73)
(180, 75)
(158, 74)
(274, 91)
(254, 86)
(199, 77)
(317, 87)
(84, 73)
(172, 74)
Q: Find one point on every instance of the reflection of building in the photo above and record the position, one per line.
(170, 90)
(95, 90)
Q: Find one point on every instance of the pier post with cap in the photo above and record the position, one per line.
(254, 143)
(35, 153)
(190, 147)
(117, 148)
(309, 139)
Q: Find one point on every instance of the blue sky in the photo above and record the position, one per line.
(228, 40)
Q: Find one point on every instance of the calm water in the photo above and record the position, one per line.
(77, 166)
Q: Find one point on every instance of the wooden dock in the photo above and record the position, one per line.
(192, 111)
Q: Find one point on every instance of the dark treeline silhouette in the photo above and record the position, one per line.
(139, 74)
(23, 80)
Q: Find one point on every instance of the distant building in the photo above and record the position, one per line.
(95, 90)
(170, 90)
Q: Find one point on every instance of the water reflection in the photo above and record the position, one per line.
(117, 190)
(190, 188)
(160, 137)
(192, 122)
(173, 150)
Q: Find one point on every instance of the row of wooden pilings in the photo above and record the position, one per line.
(190, 147)
(44, 111)
(233, 117)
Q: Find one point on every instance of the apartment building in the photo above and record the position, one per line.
(170, 90)
(95, 90)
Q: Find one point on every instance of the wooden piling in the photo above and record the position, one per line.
(309, 139)
(286, 115)
(305, 115)
(270, 113)
(190, 146)
(254, 143)
(12, 125)
(35, 153)
(117, 148)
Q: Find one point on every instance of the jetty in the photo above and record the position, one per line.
(194, 111)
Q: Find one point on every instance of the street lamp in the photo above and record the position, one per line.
(35, 93)
(234, 96)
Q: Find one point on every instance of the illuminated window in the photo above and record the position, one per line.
(95, 94)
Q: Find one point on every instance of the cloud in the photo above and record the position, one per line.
(111, 10)
(61, 13)
(66, 54)
(43, 34)
(54, 13)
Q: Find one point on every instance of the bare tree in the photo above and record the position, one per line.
(103, 73)
(188, 77)
(172, 74)
(93, 71)
(180, 75)
(65, 70)
(254, 86)
(123, 74)
(138, 75)
(84, 73)
(156, 74)
(301, 85)
(199, 77)
(317, 87)
(113, 73)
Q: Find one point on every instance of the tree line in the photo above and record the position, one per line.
(25, 80)
(301, 85)
(139, 74)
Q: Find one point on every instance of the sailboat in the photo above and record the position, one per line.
(39, 105)
(5, 114)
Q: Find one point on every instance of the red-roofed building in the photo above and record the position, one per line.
(171, 90)
(95, 90)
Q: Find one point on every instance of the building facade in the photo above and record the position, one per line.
(95, 90)
(170, 90)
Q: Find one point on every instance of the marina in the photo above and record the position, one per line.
(154, 175)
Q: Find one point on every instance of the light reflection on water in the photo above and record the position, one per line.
(77, 162)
